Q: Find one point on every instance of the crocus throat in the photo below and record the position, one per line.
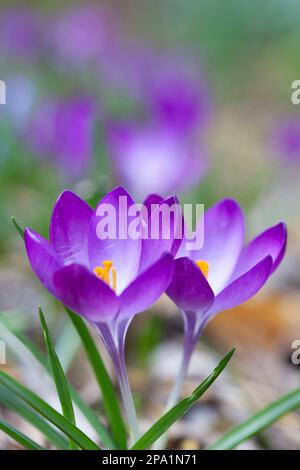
(104, 274)
(204, 267)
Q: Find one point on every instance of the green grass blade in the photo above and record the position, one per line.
(59, 377)
(17, 227)
(41, 407)
(19, 436)
(41, 358)
(261, 420)
(16, 405)
(110, 400)
(169, 418)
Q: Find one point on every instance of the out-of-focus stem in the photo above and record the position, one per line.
(127, 397)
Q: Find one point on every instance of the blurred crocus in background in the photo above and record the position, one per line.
(20, 33)
(62, 131)
(164, 153)
(177, 94)
(286, 139)
(154, 159)
(83, 34)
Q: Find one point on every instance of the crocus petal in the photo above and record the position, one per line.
(271, 242)
(123, 252)
(147, 287)
(243, 288)
(42, 257)
(163, 233)
(81, 291)
(151, 201)
(69, 228)
(223, 241)
(189, 289)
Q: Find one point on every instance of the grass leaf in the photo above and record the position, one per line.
(258, 422)
(18, 227)
(169, 418)
(16, 405)
(84, 408)
(19, 436)
(59, 377)
(45, 410)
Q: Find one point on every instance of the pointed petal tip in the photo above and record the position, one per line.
(230, 204)
(30, 234)
(67, 194)
(117, 192)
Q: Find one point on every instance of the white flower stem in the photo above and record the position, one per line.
(114, 338)
(127, 397)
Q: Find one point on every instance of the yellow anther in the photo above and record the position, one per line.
(107, 264)
(114, 279)
(204, 267)
(104, 273)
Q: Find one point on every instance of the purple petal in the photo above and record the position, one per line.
(189, 289)
(124, 253)
(243, 288)
(147, 287)
(173, 163)
(69, 228)
(84, 293)
(223, 241)
(271, 242)
(152, 200)
(167, 226)
(42, 257)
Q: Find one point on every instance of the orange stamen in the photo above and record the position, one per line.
(204, 267)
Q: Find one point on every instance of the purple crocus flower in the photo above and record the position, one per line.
(287, 139)
(169, 84)
(177, 95)
(62, 131)
(20, 29)
(222, 274)
(83, 34)
(150, 158)
(107, 281)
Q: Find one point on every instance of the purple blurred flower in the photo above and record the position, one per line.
(126, 67)
(169, 84)
(286, 139)
(105, 281)
(154, 159)
(223, 274)
(20, 29)
(178, 96)
(83, 33)
(62, 132)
